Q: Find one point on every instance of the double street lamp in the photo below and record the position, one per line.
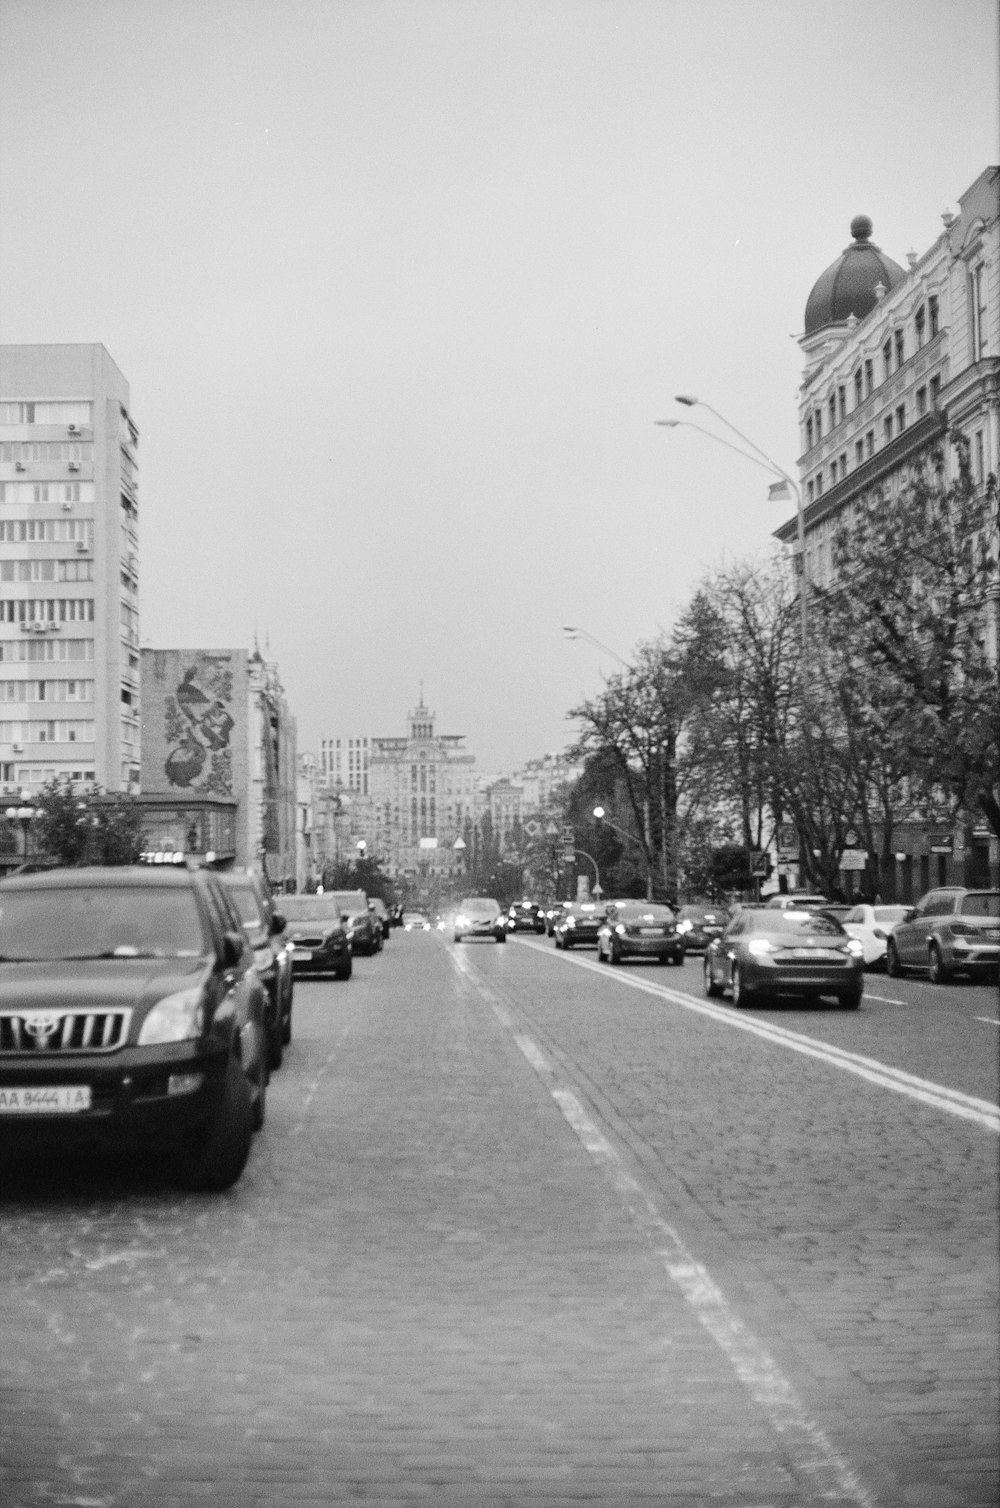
(781, 489)
(25, 814)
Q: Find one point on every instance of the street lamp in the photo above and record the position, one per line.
(25, 814)
(581, 633)
(597, 873)
(602, 816)
(776, 492)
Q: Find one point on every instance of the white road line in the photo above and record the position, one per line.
(811, 1456)
(884, 999)
(990, 1020)
(935, 1096)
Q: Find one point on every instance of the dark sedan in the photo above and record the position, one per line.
(525, 916)
(639, 929)
(265, 927)
(700, 925)
(317, 935)
(764, 955)
(578, 924)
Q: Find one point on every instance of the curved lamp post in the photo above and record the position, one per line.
(602, 816)
(597, 873)
(581, 633)
(775, 493)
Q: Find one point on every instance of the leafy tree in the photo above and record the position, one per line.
(917, 580)
(85, 825)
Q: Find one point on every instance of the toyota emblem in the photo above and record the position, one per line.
(43, 1028)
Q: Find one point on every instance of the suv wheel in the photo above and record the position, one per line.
(892, 964)
(936, 970)
(850, 1000)
(214, 1159)
(739, 991)
(711, 988)
(346, 968)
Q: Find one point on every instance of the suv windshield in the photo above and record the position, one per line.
(310, 908)
(247, 903)
(79, 921)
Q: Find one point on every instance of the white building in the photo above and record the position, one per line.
(69, 606)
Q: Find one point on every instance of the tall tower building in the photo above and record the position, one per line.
(69, 608)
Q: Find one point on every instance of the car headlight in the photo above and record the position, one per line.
(759, 946)
(620, 929)
(571, 921)
(175, 1018)
(685, 926)
(856, 948)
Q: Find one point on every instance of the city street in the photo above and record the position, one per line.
(523, 1229)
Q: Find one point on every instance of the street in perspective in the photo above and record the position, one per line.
(500, 811)
(523, 1228)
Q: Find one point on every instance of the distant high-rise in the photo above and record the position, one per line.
(69, 607)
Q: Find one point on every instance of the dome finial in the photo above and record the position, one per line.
(861, 228)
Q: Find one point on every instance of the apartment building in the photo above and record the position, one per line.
(69, 582)
(423, 795)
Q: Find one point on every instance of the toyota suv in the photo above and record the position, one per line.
(949, 931)
(131, 1012)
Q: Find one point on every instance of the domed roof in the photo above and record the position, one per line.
(848, 285)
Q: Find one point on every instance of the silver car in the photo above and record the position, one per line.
(949, 931)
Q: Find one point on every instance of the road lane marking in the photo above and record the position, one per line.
(990, 1020)
(810, 1453)
(883, 1075)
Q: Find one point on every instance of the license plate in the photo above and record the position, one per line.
(58, 1099)
(650, 932)
(818, 955)
(303, 954)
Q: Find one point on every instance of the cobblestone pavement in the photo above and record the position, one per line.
(431, 1287)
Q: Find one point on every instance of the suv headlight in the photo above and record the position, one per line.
(855, 947)
(685, 926)
(175, 1018)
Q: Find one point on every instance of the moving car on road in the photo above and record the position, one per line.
(767, 954)
(698, 925)
(525, 916)
(577, 924)
(415, 921)
(131, 1012)
(480, 916)
(949, 931)
(871, 925)
(317, 935)
(639, 929)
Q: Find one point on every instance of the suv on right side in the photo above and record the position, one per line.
(949, 931)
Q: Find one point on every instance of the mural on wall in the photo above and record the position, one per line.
(198, 723)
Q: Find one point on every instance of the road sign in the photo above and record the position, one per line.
(788, 838)
(854, 858)
(568, 855)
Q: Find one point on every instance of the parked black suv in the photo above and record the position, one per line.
(265, 930)
(130, 1011)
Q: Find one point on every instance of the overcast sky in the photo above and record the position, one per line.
(401, 286)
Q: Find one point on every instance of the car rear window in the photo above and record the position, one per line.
(789, 921)
(247, 903)
(93, 922)
(310, 908)
(983, 903)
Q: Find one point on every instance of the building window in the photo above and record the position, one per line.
(887, 428)
(978, 456)
(842, 403)
(819, 484)
(810, 490)
(932, 314)
(900, 418)
(869, 378)
(886, 360)
(920, 325)
(977, 312)
(900, 349)
(832, 406)
(935, 391)
(859, 388)
(920, 398)
(859, 452)
(809, 433)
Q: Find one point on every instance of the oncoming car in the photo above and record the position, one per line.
(578, 923)
(767, 954)
(131, 1013)
(480, 916)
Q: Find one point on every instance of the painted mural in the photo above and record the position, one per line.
(198, 722)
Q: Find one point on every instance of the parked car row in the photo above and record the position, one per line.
(148, 1005)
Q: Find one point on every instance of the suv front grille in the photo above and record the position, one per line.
(63, 1031)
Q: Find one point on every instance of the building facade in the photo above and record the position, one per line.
(344, 763)
(69, 570)
(216, 724)
(895, 360)
(423, 797)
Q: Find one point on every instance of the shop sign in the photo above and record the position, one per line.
(854, 858)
